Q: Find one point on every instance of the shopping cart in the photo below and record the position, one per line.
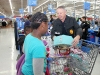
(69, 65)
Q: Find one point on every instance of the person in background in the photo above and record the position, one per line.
(11, 23)
(79, 21)
(27, 22)
(85, 26)
(96, 25)
(51, 18)
(65, 25)
(27, 30)
(54, 17)
(4, 24)
(98, 35)
(34, 48)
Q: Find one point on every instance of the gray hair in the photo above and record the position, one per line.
(61, 7)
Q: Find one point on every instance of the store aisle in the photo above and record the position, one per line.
(8, 53)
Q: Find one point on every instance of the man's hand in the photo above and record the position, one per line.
(53, 38)
(76, 41)
(83, 30)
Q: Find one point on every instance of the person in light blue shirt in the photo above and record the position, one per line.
(34, 49)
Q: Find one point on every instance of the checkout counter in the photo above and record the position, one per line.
(92, 35)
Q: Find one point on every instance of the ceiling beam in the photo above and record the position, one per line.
(11, 7)
(41, 4)
(2, 11)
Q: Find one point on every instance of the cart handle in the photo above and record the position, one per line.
(91, 42)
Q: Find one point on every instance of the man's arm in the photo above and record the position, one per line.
(78, 31)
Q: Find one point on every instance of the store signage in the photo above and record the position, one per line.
(1, 17)
(87, 6)
(44, 12)
(32, 2)
(49, 7)
(53, 11)
(21, 11)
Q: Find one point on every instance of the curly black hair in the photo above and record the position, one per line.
(37, 19)
(29, 16)
(26, 28)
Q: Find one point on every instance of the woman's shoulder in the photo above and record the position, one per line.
(33, 39)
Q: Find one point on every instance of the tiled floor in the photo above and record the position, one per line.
(8, 54)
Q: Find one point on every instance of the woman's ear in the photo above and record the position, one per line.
(42, 26)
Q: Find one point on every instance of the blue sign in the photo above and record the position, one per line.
(49, 7)
(32, 2)
(87, 6)
(21, 11)
(44, 12)
(53, 11)
(2, 16)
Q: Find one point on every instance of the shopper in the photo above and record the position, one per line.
(4, 24)
(98, 34)
(51, 18)
(27, 22)
(27, 30)
(34, 49)
(96, 25)
(85, 26)
(66, 25)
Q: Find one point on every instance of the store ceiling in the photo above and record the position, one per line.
(5, 7)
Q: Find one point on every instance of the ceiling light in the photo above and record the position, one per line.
(25, 11)
(11, 7)
(2, 13)
(26, 7)
(41, 4)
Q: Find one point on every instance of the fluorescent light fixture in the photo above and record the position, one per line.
(26, 7)
(25, 11)
(79, 5)
(41, 4)
(70, 0)
(11, 7)
(3, 14)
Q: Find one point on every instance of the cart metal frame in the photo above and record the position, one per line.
(74, 65)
